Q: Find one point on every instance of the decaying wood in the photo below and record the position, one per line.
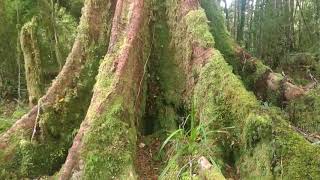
(270, 80)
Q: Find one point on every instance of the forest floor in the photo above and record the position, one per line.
(10, 111)
(147, 162)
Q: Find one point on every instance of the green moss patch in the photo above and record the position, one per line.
(109, 147)
(304, 112)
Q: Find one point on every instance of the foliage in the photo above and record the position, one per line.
(189, 143)
(9, 113)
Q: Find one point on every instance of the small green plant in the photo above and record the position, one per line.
(191, 141)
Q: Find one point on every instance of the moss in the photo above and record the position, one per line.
(117, 157)
(257, 164)
(304, 112)
(198, 27)
(223, 41)
(221, 101)
(226, 88)
(165, 81)
(5, 124)
(33, 66)
(26, 159)
(295, 157)
(60, 121)
(254, 73)
(36, 159)
(213, 173)
(189, 30)
(227, 94)
(58, 126)
(297, 65)
(6, 121)
(257, 128)
(168, 118)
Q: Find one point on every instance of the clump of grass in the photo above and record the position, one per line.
(187, 144)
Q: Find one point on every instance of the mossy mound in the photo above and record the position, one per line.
(304, 112)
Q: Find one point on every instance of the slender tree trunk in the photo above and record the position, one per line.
(235, 19)
(56, 39)
(226, 11)
(18, 50)
(242, 21)
(32, 61)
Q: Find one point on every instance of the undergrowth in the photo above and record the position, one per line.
(9, 113)
(187, 144)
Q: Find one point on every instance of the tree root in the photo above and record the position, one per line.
(113, 111)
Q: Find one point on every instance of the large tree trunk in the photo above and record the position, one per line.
(32, 61)
(59, 113)
(105, 144)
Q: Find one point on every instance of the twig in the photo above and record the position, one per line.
(142, 78)
(141, 81)
(313, 78)
(184, 166)
(310, 138)
(190, 163)
(245, 61)
(37, 119)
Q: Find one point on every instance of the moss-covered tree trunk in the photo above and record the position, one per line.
(54, 121)
(32, 61)
(105, 144)
(262, 144)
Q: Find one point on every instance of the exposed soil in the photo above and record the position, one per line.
(231, 173)
(147, 165)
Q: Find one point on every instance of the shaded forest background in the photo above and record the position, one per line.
(284, 34)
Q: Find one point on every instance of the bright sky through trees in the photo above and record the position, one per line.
(228, 2)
